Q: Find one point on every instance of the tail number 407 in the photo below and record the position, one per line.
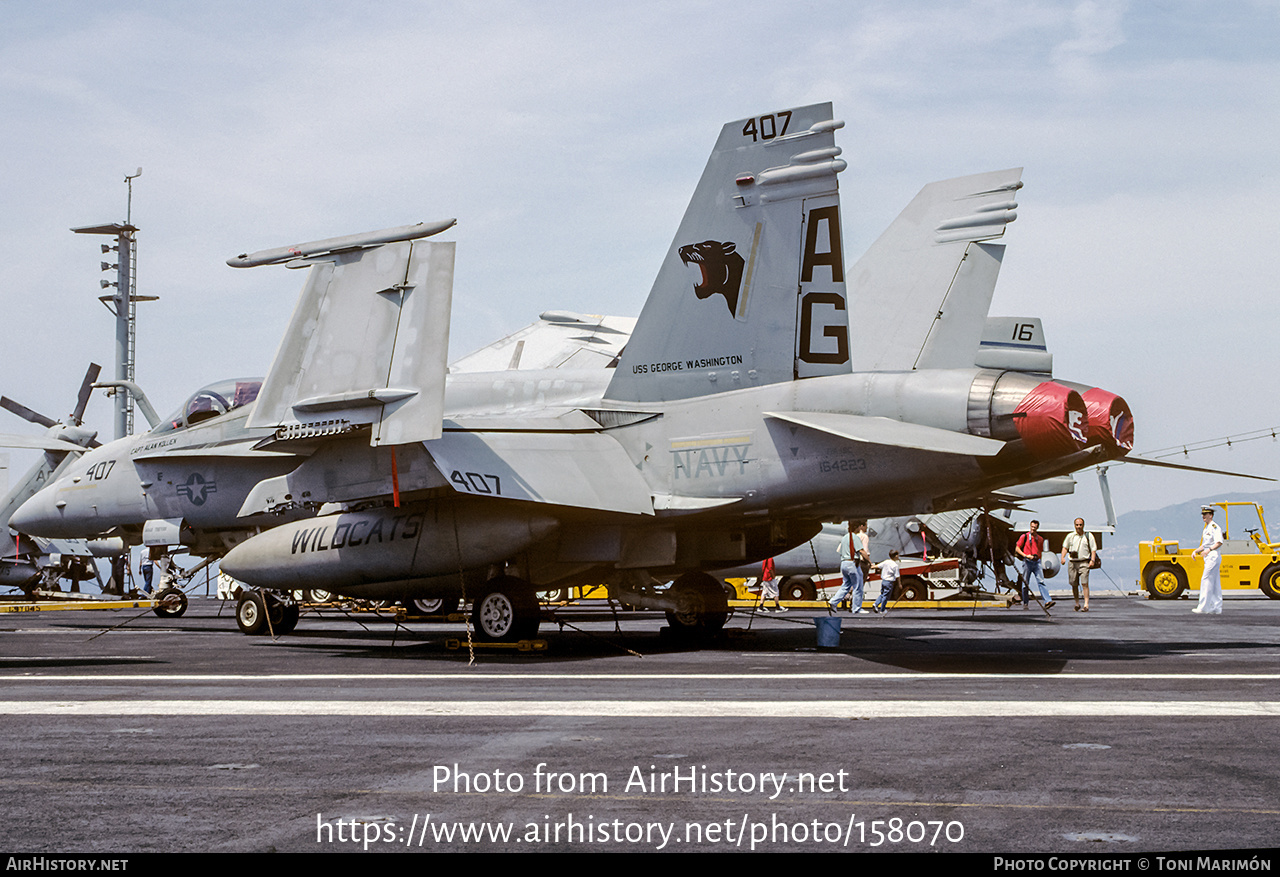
(767, 127)
(477, 482)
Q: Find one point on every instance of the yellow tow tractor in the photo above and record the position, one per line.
(1249, 562)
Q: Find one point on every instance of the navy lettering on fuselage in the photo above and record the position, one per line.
(709, 462)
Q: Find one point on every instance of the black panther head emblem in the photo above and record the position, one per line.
(721, 268)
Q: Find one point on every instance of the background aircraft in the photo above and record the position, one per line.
(35, 562)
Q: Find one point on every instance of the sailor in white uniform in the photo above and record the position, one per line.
(1210, 583)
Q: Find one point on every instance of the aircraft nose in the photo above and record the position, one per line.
(38, 516)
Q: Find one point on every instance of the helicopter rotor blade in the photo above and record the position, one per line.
(86, 390)
(26, 413)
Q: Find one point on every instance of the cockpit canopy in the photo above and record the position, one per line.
(211, 401)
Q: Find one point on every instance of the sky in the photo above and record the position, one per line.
(567, 137)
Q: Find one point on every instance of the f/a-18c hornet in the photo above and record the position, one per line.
(742, 412)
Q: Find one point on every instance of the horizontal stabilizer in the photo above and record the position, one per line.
(884, 431)
(1014, 344)
(367, 344)
(919, 296)
(581, 470)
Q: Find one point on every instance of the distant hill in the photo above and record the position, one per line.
(1181, 522)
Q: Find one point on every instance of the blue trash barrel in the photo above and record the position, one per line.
(828, 631)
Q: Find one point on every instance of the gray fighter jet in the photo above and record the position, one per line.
(744, 410)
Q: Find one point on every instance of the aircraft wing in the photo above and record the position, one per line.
(367, 344)
(582, 470)
(556, 456)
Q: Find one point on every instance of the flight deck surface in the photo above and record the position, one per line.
(1136, 727)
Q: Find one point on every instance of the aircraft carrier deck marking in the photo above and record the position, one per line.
(603, 677)
(665, 709)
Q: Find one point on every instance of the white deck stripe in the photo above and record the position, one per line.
(523, 676)
(831, 709)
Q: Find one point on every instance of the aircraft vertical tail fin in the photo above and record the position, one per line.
(367, 344)
(752, 289)
(919, 295)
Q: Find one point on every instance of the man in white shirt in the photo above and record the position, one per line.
(1078, 555)
(1210, 583)
(854, 553)
(889, 571)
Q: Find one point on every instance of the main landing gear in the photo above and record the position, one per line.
(263, 612)
(701, 605)
(506, 611)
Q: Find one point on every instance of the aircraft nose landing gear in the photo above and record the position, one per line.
(170, 603)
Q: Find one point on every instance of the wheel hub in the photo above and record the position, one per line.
(497, 616)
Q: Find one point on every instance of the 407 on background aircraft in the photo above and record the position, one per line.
(741, 413)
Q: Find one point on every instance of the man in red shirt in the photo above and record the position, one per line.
(769, 587)
(1030, 548)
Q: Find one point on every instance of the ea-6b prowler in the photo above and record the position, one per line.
(742, 412)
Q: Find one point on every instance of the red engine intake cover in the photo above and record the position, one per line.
(1052, 420)
(1110, 420)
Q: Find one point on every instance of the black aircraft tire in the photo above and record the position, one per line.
(251, 613)
(1165, 581)
(703, 606)
(288, 618)
(1269, 581)
(506, 612)
(170, 603)
(798, 588)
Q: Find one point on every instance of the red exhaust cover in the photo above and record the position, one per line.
(1110, 420)
(1052, 420)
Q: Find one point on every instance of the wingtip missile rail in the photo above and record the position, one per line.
(345, 243)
